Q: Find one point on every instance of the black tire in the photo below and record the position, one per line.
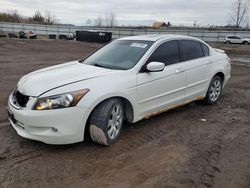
(100, 122)
(209, 99)
(228, 42)
(246, 42)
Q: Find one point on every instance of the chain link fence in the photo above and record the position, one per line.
(206, 35)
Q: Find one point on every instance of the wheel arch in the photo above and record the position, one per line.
(129, 111)
(217, 73)
(209, 100)
(221, 75)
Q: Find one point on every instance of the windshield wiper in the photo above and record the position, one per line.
(98, 65)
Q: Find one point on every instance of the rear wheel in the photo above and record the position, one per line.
(106, 122)
(214, 90)
(246, 42)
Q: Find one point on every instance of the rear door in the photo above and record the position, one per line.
(160, 90)
(197, 61)
(238, 39)
(235, 39)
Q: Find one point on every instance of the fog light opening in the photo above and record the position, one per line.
(54, 129)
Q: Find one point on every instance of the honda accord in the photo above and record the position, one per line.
(129, 79)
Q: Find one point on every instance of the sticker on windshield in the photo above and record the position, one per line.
(139, 45)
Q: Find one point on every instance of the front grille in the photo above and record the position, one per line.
(21, 99)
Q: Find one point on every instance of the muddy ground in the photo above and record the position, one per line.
(174, 149)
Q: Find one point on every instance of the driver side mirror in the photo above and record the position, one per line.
(155, 67)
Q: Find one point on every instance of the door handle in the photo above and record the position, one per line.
(179, 70)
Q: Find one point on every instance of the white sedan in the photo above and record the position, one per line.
(130, 79)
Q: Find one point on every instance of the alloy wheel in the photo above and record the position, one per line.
(215, 90)
(115, 121)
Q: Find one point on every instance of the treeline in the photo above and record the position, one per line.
(37, 18)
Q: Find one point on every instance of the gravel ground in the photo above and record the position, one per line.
(174, 149)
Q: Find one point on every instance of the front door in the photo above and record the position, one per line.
(160, 90)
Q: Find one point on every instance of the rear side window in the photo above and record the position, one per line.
(191, 50)
(167, 53)
(205, 50)
(234, 37)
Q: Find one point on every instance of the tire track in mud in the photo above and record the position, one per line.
(232, 138)
(218, 152)
(15, 159)
(125, 146)
(246, 88)
(143, 133)
(4, 124)
(211, 167)
(227, 138)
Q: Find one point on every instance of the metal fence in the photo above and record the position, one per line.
(206, 35)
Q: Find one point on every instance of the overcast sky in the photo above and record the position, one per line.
(128, 11)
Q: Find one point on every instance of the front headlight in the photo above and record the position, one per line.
(60, 101)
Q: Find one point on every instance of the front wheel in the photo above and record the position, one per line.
(106, 122)
(214, 91)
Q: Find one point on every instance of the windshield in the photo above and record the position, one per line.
(119, 55)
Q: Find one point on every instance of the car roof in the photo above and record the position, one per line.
(157, 37)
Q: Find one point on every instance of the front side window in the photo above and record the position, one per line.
(167, 53)
(191, 50)
(119, 55)
(205, 49)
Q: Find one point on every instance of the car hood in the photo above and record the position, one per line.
(41, 81)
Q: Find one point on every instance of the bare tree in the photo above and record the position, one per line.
(11, 16)
(48, 18)
(37, 18)
(240, 8)
(110, 19)
(99, 21)
(88, 22)
(14, 16)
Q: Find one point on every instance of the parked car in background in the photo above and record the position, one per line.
(231, 39)
(70, 36)
(22, 35)
(12, 35)
(32, 35)
(129, 79)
